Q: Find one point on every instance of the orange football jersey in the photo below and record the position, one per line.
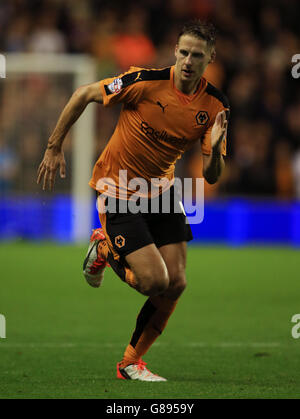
(157, 124)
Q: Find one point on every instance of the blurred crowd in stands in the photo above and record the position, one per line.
(256, 42)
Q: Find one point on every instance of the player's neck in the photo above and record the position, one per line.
(185, 86)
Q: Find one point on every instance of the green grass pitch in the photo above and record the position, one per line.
(230, 336)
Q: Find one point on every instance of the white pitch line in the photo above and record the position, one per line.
(63, 345)
(235, 344)
(59, 345)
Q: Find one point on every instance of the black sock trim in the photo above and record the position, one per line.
(144, 316)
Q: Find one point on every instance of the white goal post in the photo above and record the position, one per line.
(83, 68)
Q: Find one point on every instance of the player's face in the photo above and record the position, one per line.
(192, 57)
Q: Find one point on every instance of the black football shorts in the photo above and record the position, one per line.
(129, 232)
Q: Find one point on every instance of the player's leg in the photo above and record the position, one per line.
(149, 270)
(170, 232)
(126, 243)
(174, 256)
(157, 310)
(138, 262)
(132, 253)
(131, 241)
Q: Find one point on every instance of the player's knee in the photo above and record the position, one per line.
(177, 284)
(155, 287)
(154, 282)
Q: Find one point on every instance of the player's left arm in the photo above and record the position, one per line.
(213, 164)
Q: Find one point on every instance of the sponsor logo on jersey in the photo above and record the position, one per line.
(115, 86)
(155, 135)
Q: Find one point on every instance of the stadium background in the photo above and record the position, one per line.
(255, 46)
(255, 203)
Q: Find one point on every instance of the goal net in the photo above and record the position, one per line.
(32, 95)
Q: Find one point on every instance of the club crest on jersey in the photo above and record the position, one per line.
(202, 117)
(119, 241)
(115, 86)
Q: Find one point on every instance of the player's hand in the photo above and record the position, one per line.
(219, 130)
(53, 160)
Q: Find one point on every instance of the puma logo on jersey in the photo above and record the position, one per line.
(138, 77)
(162, 106)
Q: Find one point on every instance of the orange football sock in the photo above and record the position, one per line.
(130, 357)
(151, 321)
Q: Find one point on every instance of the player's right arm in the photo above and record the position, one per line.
(54, 157)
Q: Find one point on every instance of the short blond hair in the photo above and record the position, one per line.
(200, 29)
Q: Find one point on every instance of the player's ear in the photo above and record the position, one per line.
(176, 50)
(212, 55)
